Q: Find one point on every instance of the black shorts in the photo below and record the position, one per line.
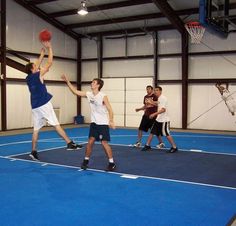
(161, 128)
(99, 132)
(146, 123)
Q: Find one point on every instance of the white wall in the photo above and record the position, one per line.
(135, 91)
(206, 109)
(138, 73)
(124, 97)
(125, 80)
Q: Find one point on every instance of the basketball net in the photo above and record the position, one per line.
(195, 30)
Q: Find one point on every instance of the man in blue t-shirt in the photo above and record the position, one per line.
(42, 109)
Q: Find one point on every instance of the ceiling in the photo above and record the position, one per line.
(109, 17)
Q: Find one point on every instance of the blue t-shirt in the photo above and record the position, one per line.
(39, 94)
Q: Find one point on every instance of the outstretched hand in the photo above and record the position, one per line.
(112, 125)
(47, 44)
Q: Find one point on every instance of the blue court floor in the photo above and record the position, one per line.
(195, 186)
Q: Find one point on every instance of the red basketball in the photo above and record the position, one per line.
(45, 35)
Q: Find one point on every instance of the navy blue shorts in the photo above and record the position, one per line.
(99, 132)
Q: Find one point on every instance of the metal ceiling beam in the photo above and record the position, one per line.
(45, 17)
(101, 7)
(131, 18)
(36, 2)
(166, 9)
(182, 12)
(132, 30)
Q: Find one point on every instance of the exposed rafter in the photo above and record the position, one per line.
(130, 18)
(45, 17)
(102, 7)
(166, 9)
(36, 2)
(133, 30)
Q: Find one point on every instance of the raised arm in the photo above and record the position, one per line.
(45, 69)
(72, 88)
(40, 59)
(110, 112)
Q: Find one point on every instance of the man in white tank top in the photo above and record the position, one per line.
(101, 120)
(227, 97)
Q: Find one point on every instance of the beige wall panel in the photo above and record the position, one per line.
(170, 68)
(169, 42)
(128, 68)
(207, 110)
(89, 48)
(89, 71)
(212, 67)
(140, 45)
(113, 47)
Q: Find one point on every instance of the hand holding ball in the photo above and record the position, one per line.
(45, 35)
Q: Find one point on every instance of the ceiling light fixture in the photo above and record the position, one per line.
(83, 9)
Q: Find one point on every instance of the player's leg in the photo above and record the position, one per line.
(88, 152)
(143, 127)
(166, 132)
(107, 148)
(92, 137)
(38, 123)
(104, 136)
(153, 131)
(34, 153)
(50, 116)
(161, 144)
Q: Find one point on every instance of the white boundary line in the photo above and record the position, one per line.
(122, 174)
(48, 149)
(128, 135)
(186, 150)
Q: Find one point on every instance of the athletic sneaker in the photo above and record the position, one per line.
(160, 145)
(146, 148)
(111, 166)
(34, 155)
(137, 144)
(84, 165)
(172, 150)
(73, 146)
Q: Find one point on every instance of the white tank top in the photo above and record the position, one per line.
(99, 113)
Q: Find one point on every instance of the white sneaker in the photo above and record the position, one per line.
(160, 145)
(137, 144)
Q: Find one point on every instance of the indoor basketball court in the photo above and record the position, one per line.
(118, 112)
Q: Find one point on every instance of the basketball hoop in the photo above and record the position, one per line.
(195, 30)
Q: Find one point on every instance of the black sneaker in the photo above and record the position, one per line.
(172, 150)
(73, 146)
(34, 155)
(84, 165)
(146, 148)
(111, 166)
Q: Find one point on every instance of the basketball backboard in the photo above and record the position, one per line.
(215, 15)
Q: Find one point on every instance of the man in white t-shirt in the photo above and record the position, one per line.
(101, 119)
(161, 126)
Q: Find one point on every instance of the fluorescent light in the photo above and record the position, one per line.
(83, 9)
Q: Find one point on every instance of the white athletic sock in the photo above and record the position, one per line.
(86, 158)
(111, 160)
